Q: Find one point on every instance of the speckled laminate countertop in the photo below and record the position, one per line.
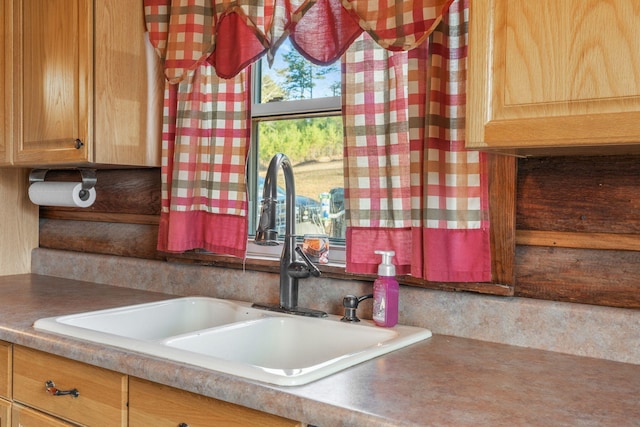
(442, 381)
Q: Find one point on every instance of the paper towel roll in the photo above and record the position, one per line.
(51, 193)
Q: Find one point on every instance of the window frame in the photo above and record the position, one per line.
(281, 110)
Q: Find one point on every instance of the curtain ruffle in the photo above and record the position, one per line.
(232, 34)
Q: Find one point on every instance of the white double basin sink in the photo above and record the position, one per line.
(234, 338)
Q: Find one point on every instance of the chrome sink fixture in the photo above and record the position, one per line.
(234, 338)
(292, 268)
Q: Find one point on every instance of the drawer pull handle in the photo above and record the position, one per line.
(52, 390)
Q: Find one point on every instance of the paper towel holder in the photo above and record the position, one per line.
(89, 178)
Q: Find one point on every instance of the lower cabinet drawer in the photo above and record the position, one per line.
(101, 394)
(5, 370)
(25, 417)
(152, 404)
(5, 413)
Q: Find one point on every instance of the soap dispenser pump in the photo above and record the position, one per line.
(385, 292)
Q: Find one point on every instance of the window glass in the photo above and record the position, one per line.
(292, 77)
(297, 111)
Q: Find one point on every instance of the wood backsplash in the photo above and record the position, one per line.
(577, 226)
(578, 229)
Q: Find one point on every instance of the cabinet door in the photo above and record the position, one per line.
(7, 87)
(129, 87)
(157, 405)
(5, 369)
(52, 103)
(550, 73)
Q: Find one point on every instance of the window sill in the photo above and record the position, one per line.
(337, 255)
(270, 263)
(259, 262)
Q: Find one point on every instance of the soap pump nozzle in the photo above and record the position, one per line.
(386, 267)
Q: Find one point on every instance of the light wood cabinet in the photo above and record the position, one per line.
(106, 398)
(5, 413)
(5, 370)
(152, 404)
(19, 225)
(5, 383)
(5, 98)
(102, 394)
(22, 416)
(87, 88)
(554, 77)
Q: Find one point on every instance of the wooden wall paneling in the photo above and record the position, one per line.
(119, 191)
(579, 194)
(579, 275)
(578, 229)
(562, 239)
(131, 240)
(502, 205)
(123, 220)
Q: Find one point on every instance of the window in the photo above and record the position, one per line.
(297, 111)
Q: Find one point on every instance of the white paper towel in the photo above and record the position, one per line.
(51, 193)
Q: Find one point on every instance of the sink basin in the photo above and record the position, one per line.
(292, 350)
(152, 321)
(283, 343)
(232, 337)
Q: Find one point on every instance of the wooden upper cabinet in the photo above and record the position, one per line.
(554, 77)
(5, 87)
(88, 88)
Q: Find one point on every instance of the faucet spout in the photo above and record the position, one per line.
(291, 269)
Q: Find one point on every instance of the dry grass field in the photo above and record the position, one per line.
(318, 177)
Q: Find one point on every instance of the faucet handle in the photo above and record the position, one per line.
(315, 272)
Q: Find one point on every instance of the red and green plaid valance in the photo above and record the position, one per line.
(232, 34)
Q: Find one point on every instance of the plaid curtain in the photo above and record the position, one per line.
(410, 184)
(205, 138)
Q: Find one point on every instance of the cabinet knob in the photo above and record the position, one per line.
(52, 390)
(183, 425)
(78, 144)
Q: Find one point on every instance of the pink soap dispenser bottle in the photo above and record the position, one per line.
(385, 292)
